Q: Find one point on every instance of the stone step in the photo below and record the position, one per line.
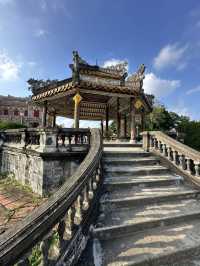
(141, 196)
(114, 223)
(109, 161)
(119, 153)
(134, 171)
(162, 246)
(122, 144)
(125, 182)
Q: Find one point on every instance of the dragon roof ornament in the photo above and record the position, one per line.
(136, 80)
(120, 68)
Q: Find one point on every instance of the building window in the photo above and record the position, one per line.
(36, 113)
(16, 113)
(25, 113)
(5, 112)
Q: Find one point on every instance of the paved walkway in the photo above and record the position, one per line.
(15, 203)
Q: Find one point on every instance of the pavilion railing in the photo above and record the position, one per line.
(57, 232)
(184, 158)
(47, 139)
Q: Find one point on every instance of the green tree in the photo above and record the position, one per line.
(10, 125)
(159, 119)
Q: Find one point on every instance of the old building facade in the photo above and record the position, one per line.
(20, 110)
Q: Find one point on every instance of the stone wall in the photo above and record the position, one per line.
(44, 174)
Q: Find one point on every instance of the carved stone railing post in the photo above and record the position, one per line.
(188, 164)
(85, 199)
(197, 168)
(48, 140)
(70, 220)
(79, 209)
(165, 150)
(146, 141)
(174, 157)
(91, 194)
(169, 149)
(182, 161)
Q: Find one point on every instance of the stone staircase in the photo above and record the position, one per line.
(148, 215)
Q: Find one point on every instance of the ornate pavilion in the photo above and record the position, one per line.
(97, 93)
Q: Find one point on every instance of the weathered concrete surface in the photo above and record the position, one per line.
(42, 173)
(153, 247)
(148, 215)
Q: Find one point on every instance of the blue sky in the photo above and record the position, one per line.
(37, 38)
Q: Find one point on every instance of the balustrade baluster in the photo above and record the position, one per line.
(70, 219)
(165, 150)
(169, 149)
(182, 161)
(174, 156)
(98, 173)
(188, 164)
(91, 194)
(78, 213)
(197, 168)
(94, 183)
(85, 199)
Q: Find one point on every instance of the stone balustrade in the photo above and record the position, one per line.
(57, 231)
(47, 140)
(181, 156)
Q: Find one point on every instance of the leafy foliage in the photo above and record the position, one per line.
(10, 125)
(36, 85)
(159, 119)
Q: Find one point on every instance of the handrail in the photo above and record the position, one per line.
(183, 157)
(64, 214)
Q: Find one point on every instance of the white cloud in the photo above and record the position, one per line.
(194, 90)
(159, 87)
(114, 62)
(181, 109)
(171, 55)
(40, 33)
(9, 70)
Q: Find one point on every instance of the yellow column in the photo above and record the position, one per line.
(77, 99)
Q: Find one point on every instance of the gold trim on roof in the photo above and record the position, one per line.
(53, 91)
